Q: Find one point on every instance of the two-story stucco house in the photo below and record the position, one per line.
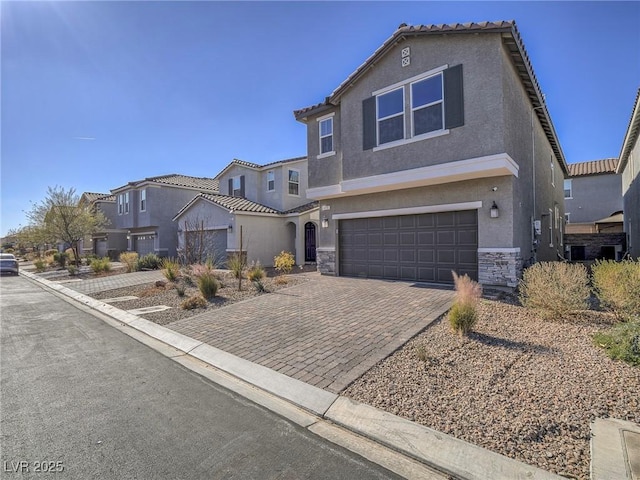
(110, 241)
(629, 168)
(437, 154)
(260, 209)
(145, 209)
(586, 182)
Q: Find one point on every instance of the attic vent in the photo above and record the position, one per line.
(406, 58)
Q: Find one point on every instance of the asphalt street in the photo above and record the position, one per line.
(80, 399)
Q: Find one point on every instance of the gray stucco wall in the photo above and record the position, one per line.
(594, 197)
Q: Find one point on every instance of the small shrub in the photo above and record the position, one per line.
(622, 342)
(40, 265)
(60, 258)
(617, 286)
(255, 272)
(555, 289)
(50, 252)
(463, 315)
(72, 270)
(208, 285)
(171, 269)
(181, 289)
(130, 261)
(194, 302)
(284, 262)
(50, 261)
(150, 261)
(8, 250)
(421, 353)
(99, 265)
(281, 280)
(236, 263)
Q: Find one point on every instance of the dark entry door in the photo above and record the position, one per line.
(310, 242)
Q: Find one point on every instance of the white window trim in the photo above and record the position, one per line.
(400, 114)
(418, 138)
(553, 174)
(414, 79)
(320, 136)
(143, 200)
(567, 217)
(272, 172)
(126, 203)
(289, 182)
(551, 227)
(412, 109)
(120, 204)
(570, 197)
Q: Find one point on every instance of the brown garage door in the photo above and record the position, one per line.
(424, 247)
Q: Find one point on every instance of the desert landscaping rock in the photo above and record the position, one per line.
(519, 386)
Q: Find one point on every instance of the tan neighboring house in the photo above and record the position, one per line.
(593, 197)
(629, 168)
(260, 209)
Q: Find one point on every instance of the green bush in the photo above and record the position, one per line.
(617, 286)
(555, 289)
(622, 342)
(150, 261)
(208, 285)
(99, 265)
(463, 315)
(171, 269)
(255, 272)
(194, 302)
(237, 264)
(284, 262)
(40, 265)
(130, 261)
(60, 258)
(181, 289)
(72, 269)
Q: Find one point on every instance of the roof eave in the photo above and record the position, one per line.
(631, 136)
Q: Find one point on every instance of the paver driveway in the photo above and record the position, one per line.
(326, 332)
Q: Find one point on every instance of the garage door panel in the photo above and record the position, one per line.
(425, 247)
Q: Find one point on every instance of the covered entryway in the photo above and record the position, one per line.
(424, 247)
(310, 242)
(144, 244)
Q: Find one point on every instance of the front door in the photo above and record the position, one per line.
(310, 242)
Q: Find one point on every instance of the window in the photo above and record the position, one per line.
(120, 204)
(435, 105)
(326, 135)
(294, 182)
(236, 186)
(566, 217)
(390, 116)
(553, 174)
(271, 181)
(567, 189)
(143, 200)
(550, 228)
(126, 202)
(427, 105)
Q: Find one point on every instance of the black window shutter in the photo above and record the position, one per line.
(242, 186)
(369, 126)
(453, 97)
(231, 187)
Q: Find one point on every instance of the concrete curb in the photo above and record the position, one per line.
(615, 449)
(437, 451)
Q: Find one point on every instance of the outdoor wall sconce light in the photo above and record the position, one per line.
(230, 227)
(495, 213)
(325, 222)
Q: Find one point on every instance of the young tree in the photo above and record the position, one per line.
(61, 216)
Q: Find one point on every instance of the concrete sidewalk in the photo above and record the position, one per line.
(386, 439)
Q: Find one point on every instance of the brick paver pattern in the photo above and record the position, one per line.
(112, 282)
(326, 332)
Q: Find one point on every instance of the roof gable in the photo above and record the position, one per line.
(255, 166)
(631, 136)
(593, 167)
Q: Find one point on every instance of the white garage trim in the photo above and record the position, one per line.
(449, 207)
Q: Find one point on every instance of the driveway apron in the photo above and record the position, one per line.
(326, 332)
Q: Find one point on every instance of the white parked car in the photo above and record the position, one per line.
(8, 263)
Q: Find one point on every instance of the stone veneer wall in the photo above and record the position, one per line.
(593, 242)
(326, 261)
(499, 267)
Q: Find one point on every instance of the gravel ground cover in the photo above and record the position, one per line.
(150, 295)
(520, 386)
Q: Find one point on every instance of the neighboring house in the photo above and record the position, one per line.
(145, 209)
(629, 168)
(423, 160)
(592, 195)
(109, 241)
(266, 205)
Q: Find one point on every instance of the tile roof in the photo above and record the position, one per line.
(239, 204)
(631, 136)
(104, 197)
(511, 39)
(204, 184)
(256, 166)
(593, 167)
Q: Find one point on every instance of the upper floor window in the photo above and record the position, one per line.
(236, 186)
(435, 105)
(427, 105)
(143, 199)
(568, 193)
(271, 181)
(294, 182)
(123, 203)
(390, 116)
(553, 174)
(326, 135)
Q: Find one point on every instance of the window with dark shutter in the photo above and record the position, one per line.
(369, 124)
(453, 97)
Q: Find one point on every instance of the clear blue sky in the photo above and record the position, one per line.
(97, 94)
